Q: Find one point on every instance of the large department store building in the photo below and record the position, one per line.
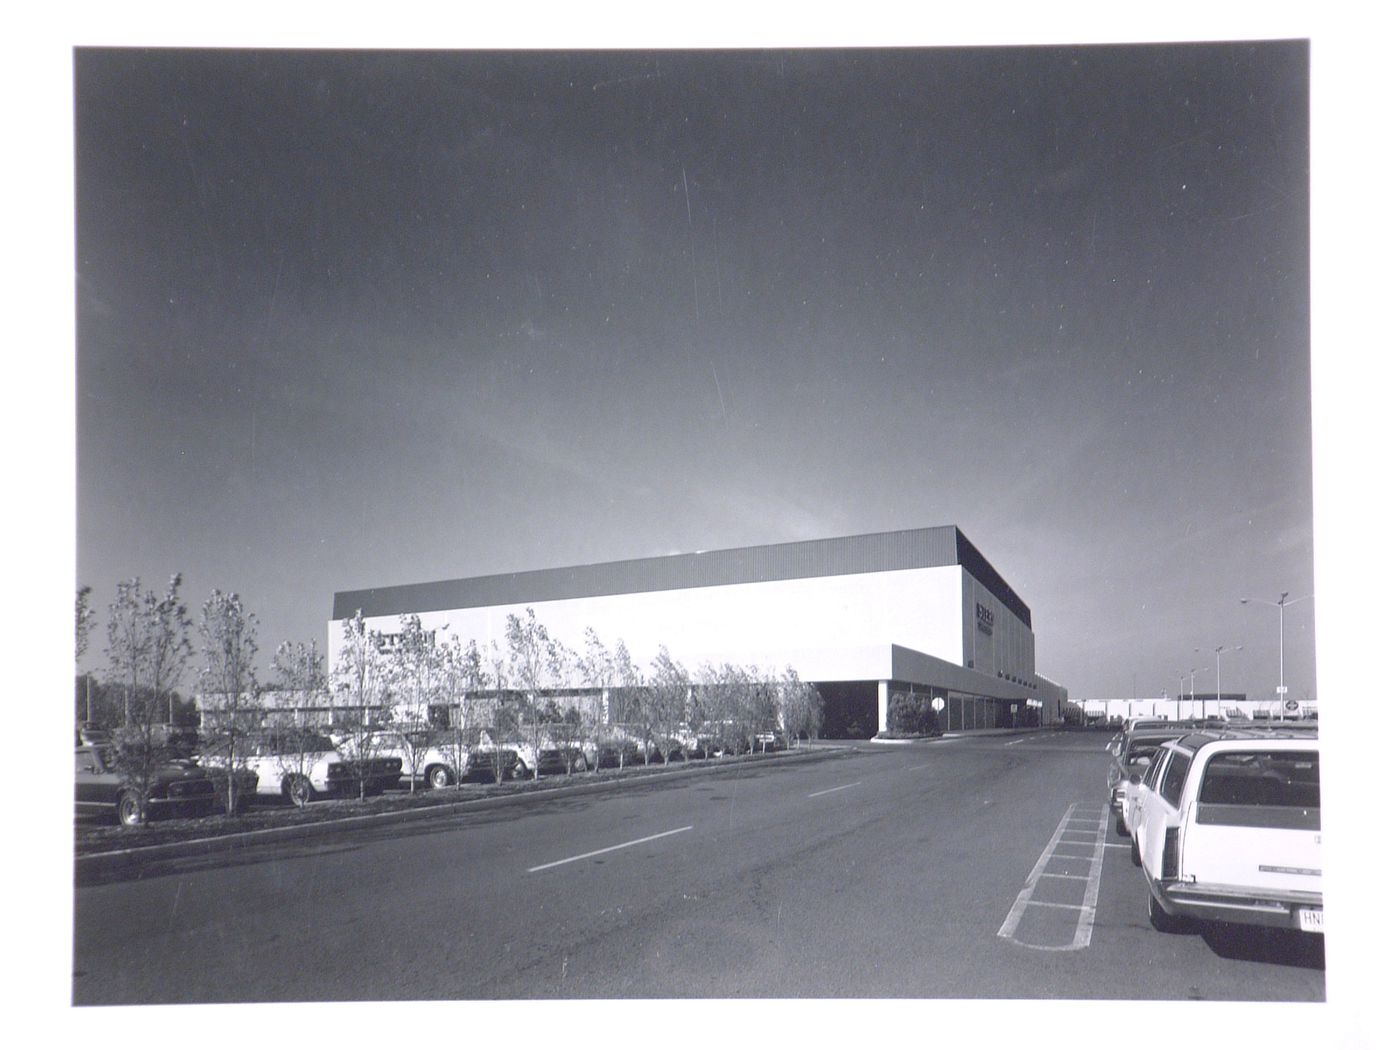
(860, 617)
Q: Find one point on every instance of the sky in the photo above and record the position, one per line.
(353, 319)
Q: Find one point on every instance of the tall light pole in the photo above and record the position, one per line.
(1218, 650)
(1192, 705)
(1282, 604)
(1180, 688)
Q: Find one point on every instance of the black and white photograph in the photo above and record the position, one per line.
(627, 541)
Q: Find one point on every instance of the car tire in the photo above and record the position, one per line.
(129, 810)
(297, 790)
(439, 777)
(1161, 921)
(1136, 855)
(522, 771)
(1121, 828)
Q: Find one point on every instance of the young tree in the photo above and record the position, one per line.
(595, 668)
(361, 682)
(228, 682)
(568, 729)
(414, 671)
(670, 688)
(126, 642)
(84, 619)
(149, 646)
(301, 678)
(528, 652)
(169, 650)
(486, 710)
(630, 688)
(800, 707)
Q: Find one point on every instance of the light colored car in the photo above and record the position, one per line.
(298, 766)
(1227, 827)
(1131, 753)
(439, 758)
(552, 754)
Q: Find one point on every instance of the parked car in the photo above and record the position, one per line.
(550, 756)
(178, 788)
(439, 758)
(299, 765)
(1228, 828)
(770, 740)
(614, 748)
(1132, 751)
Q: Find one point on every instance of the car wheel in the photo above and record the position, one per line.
(1137, 857)
(129, 810)
(1121, 828)
(521, 770)
(1161, 921)
(580, 764)
(439, 777)
(298, 790)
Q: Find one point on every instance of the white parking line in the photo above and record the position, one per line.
(912, 769)
(828, 791)
(1083, 929)
(608, 849)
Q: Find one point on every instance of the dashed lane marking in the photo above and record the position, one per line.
(1026, 899)
(608, 849)
(827, 791)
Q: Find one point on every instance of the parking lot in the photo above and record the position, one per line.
(973, 867)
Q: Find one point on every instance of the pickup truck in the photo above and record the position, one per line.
(1227, 826)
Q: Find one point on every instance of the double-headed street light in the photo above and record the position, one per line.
(1217, 651)
(1282, 604)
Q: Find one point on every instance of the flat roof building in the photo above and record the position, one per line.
(860, 617)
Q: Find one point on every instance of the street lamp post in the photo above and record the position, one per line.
(1217, 651)
(1282, 604)
(1180, 688)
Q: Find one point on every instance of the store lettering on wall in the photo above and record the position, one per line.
(985, 619)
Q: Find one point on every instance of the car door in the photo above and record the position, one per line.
(94, 787)
(1159, 807)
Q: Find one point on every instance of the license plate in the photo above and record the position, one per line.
(1310, 919)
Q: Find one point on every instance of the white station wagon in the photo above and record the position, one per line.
(1227, 826)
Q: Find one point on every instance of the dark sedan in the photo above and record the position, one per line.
(177, 788)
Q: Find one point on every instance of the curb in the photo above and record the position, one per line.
(94, 865)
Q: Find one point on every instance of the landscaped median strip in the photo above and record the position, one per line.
(91, 864)
(609, 849)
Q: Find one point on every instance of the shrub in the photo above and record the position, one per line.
(912, 715)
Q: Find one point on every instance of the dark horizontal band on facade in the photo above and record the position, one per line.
(804, 559)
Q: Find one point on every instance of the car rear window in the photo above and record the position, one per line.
(1265, 789)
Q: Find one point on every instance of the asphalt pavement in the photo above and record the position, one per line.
(972, 867)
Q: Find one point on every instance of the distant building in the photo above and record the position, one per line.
(860, 617)
(1190, 705)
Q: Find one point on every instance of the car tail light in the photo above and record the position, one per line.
(1171, 854)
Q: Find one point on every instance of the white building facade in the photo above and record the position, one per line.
(860, 617)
